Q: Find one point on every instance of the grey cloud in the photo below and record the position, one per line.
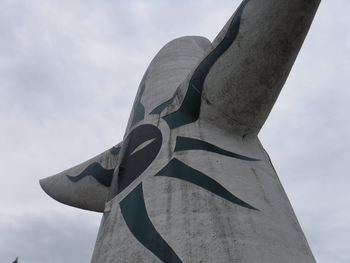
(68, 74)
(53, 239)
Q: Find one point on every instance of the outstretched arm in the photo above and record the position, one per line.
(247, 78)
(238, 82)
(86, 185)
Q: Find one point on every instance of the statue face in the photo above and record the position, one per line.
(139, 150)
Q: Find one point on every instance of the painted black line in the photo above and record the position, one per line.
(186, 144)
(139, 109)
(178, 169)
(134, 211)
(190, 108)
(161, 107)
(102, 175)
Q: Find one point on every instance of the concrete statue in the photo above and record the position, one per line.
(190, 181)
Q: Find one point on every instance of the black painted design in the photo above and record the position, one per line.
(102, 175)
(161, 107)
(133, 164)
(135, 161)
(139, 109)
(185, 144)
(134, 211)
(178, 169)
(190, 107)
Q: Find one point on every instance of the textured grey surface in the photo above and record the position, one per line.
(86, 193)
(237, 96)
(256, 66)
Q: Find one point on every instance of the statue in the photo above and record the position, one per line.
(190, 181)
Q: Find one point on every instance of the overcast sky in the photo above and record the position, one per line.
(69, 71)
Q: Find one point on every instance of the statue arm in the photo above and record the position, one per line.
(251, 59)
(85, 185)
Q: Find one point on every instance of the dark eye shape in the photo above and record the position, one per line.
(140, 148)
(143, 145)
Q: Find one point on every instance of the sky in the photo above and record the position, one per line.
(69, 71)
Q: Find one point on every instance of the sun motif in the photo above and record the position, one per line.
(143, 143)
(142, 147)
(172, 190)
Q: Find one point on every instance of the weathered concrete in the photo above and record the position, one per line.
(86, 185)
(192, 182)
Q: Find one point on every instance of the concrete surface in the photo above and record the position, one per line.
(191, 182)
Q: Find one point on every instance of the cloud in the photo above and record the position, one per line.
(69, 71)
(55, 239)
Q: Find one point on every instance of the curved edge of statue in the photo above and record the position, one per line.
(190, 181)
